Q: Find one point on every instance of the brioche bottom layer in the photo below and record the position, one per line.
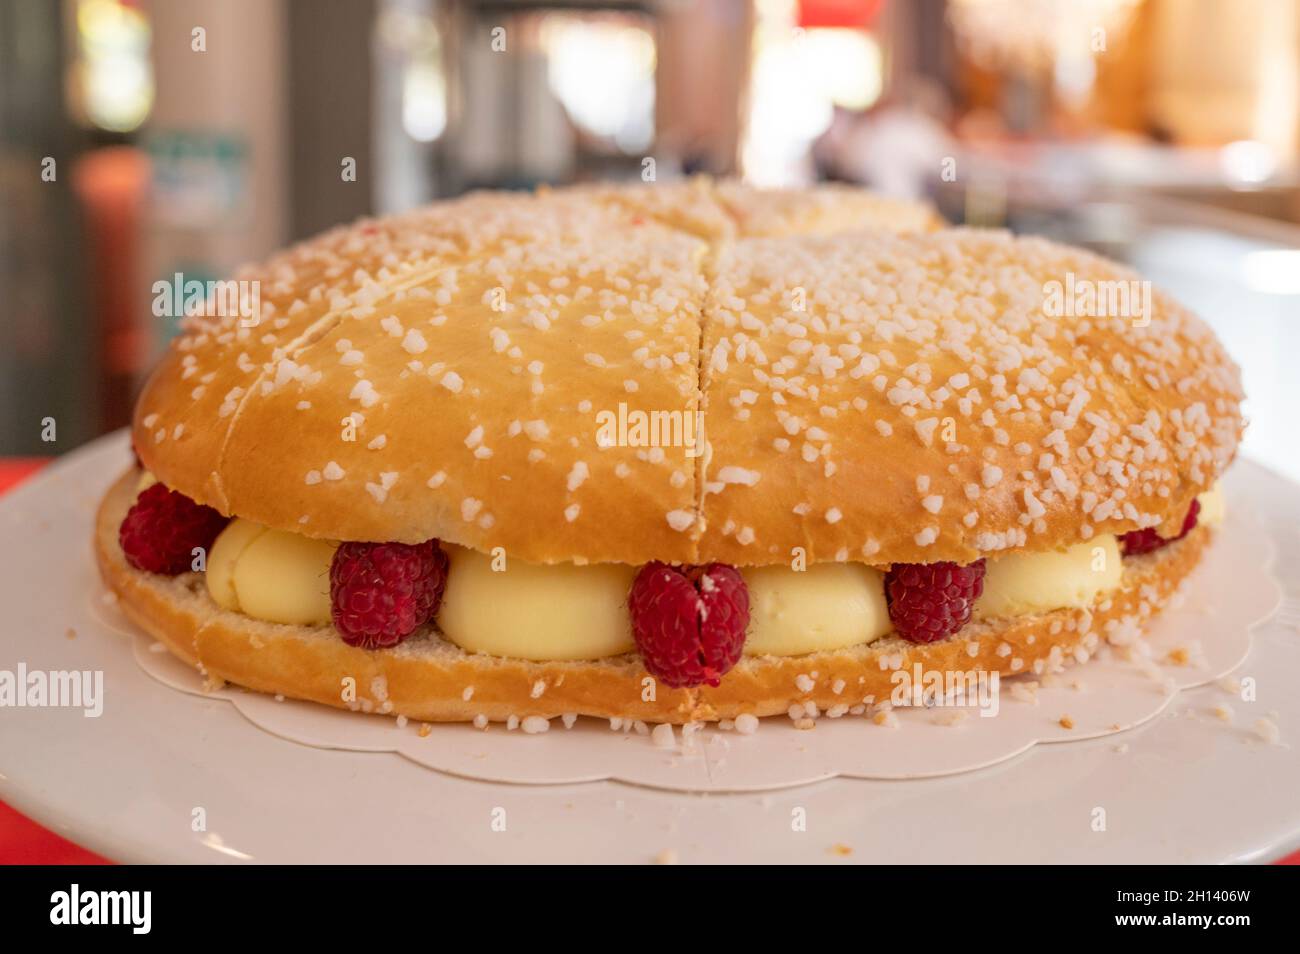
(429, 679)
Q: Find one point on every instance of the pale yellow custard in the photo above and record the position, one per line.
(271, 575)
(1022, 583)
(1213, 507)
(826, 606)
(527, 611)
(567, 611)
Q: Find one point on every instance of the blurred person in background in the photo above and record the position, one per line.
(896, 146)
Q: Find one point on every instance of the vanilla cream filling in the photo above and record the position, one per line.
(827, 606)
(509, 608)
(1213, 508)
(567, 611)
(1024, 583)
(271, 575)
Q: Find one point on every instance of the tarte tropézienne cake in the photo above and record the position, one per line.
(670, 452)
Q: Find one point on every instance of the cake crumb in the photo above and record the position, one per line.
(1267, 730)
(885, 718)
(667, 857)
(840, 849)
(70, 633)
(1066, 722)
(1223, 712)
(425, 729)
(1026, 692)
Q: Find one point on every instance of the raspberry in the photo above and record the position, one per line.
(163, 527)
(689, 622)
(931, 601)
(380, 592)
(1137, 542)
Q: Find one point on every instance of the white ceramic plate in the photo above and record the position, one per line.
(1184, 786)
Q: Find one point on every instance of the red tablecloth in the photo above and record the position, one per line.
(22, 841)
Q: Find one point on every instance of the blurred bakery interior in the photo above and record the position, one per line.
(144, 138)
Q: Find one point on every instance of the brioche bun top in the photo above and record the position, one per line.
(497, 370)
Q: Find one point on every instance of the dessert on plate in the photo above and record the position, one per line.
(671, 452)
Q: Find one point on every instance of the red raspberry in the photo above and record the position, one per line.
(931, 601)
(380, 592)
(1136, 542)
(163, 527)
(689, 622)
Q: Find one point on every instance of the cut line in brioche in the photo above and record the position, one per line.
(429, 679)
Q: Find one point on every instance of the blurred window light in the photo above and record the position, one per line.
(112, 83)
(845, 66)
(1247, 161)
(1074, 77)
(424, 102)
(603, 71)
(799, 76)
(410, 37)
(1029, 35)
(1272, 271)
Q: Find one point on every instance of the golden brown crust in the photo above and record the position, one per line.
(871, 388)
(426, 678)
(250, 419)
(905, 399)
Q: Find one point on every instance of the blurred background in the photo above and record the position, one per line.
(141, 138)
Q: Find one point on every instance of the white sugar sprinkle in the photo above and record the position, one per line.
(577, 476)
(679, 520)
